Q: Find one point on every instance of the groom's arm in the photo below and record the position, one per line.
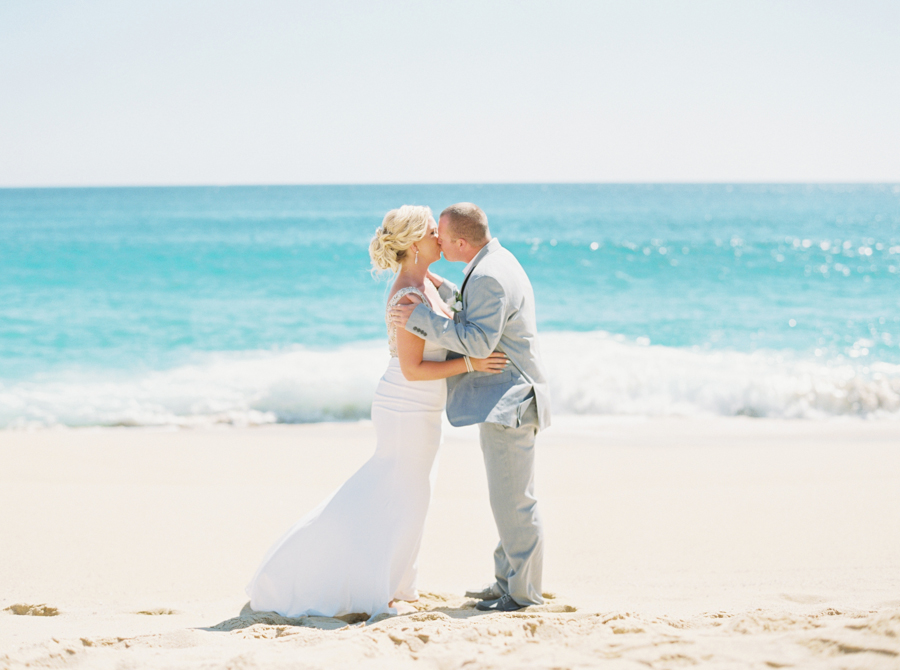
(486, 316)
(445, 288)
(447, 291)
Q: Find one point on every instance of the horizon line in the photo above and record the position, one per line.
(463, 183)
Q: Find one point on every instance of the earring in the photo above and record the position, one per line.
(417, 257)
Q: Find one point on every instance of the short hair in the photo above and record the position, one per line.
(469, 222)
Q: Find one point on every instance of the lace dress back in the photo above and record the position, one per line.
(432, 351)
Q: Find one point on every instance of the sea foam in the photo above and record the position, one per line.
(592, 373)
(599, 373)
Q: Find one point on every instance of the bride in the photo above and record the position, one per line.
(356, 552)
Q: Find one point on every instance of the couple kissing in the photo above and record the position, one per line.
(472, 350)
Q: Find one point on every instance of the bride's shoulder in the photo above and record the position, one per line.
(406, 295)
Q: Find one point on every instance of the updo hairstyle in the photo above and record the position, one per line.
(400, 229)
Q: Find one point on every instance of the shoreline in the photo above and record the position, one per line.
(567, 421)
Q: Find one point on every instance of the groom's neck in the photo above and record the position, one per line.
(472, 251)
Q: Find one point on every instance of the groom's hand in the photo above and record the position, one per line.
(400, 315)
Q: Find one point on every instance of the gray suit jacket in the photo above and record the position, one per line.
(497, 315)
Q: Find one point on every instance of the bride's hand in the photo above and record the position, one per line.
(494, 363)
(437, 280)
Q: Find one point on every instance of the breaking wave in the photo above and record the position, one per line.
(590, 373)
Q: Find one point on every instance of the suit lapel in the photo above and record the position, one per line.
(488, 248)
(462, 291)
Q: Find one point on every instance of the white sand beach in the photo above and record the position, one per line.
(727, 543)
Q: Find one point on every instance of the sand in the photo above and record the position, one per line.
(670, 542)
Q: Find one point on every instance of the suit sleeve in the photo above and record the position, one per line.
(447, 291)
(486, 316)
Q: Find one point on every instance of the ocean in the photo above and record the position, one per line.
(191, 306)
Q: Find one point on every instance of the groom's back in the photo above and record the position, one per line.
(509, 273)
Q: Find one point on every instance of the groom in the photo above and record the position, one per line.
(497, 313)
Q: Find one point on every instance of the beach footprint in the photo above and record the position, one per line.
(24, 609)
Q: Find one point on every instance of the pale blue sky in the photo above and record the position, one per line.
(270, 92)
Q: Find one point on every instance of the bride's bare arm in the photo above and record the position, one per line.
(410, 349)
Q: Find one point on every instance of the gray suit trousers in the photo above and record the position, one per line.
(509, 462)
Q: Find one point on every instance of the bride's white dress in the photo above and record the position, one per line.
(357, 550)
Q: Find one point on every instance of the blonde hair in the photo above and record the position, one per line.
(400, 229)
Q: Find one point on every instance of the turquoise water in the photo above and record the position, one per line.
(109, 296)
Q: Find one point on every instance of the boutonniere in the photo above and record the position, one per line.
(457, 305)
